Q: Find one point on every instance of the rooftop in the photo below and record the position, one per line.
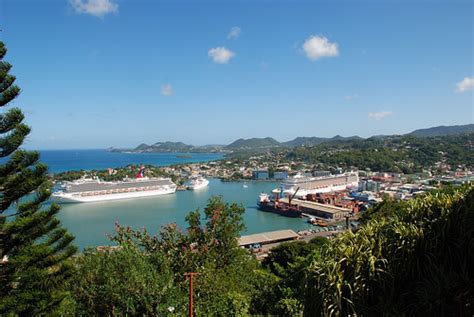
(317, 206)
(268, 237)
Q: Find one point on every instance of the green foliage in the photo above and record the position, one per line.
(283, 257)
(33, 247)
(407, 154)
(152, 268)
(228, 290)
(281, 290)
(418, 259)
(385, 209)
(124, 282)
(255, 144)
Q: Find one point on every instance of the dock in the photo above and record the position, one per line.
(325, 211)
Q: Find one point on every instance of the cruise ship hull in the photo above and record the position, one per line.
(319, 185)
(322, 190)
(197, 187)
(78, 198)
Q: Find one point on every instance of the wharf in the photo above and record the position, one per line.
(325, 211)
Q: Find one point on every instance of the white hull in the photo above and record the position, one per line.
(329, 189)
(315, 185)
(199, 186)
(78, 198)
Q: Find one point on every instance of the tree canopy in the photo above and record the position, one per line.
(34, 248)
(417, 259)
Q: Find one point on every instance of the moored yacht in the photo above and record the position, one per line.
(198, 182)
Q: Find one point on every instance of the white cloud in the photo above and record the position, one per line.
(97, 8)
(351, 97)
(380, 115)
(234, 32)
(317, 47)
(220, 55)
(466, 84)
(167, 90)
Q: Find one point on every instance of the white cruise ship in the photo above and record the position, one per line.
(93, 190)
(323, 184)
(198, 182)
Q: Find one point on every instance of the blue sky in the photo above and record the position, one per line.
(100, 73)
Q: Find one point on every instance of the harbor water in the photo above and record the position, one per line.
(91, 222)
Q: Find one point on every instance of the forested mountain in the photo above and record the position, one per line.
(443, 130)
(170, 147)
(397, 153)
(253, 143)
(311, 141)
(262, 144)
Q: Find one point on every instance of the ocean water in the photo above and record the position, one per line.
(91, 222)
(67, 160)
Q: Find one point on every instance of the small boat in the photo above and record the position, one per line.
(245, 186)
(317, 222)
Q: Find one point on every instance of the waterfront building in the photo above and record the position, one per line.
(260, 174)
(280, 175)
(369, 185)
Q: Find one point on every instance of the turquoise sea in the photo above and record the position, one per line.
(68, 160)
(91, 222)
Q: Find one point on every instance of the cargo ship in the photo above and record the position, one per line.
(95, 190)
(323, 184)
(265, 203)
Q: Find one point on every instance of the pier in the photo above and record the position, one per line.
(325, 211)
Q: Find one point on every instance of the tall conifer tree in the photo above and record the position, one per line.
(33, 247)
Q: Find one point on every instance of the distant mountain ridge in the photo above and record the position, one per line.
(312, 141)
(171, 147)
(253, 143)
(268, 142)
(443, 130)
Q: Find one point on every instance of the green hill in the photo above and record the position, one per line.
(253, 143)
(312, 141)
(443, 130)
(174, 147)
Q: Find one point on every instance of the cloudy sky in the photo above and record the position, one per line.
(100, 73)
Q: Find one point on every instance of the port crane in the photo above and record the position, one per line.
(290, 198)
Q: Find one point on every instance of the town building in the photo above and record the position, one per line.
(280, 175)
(260, 174)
